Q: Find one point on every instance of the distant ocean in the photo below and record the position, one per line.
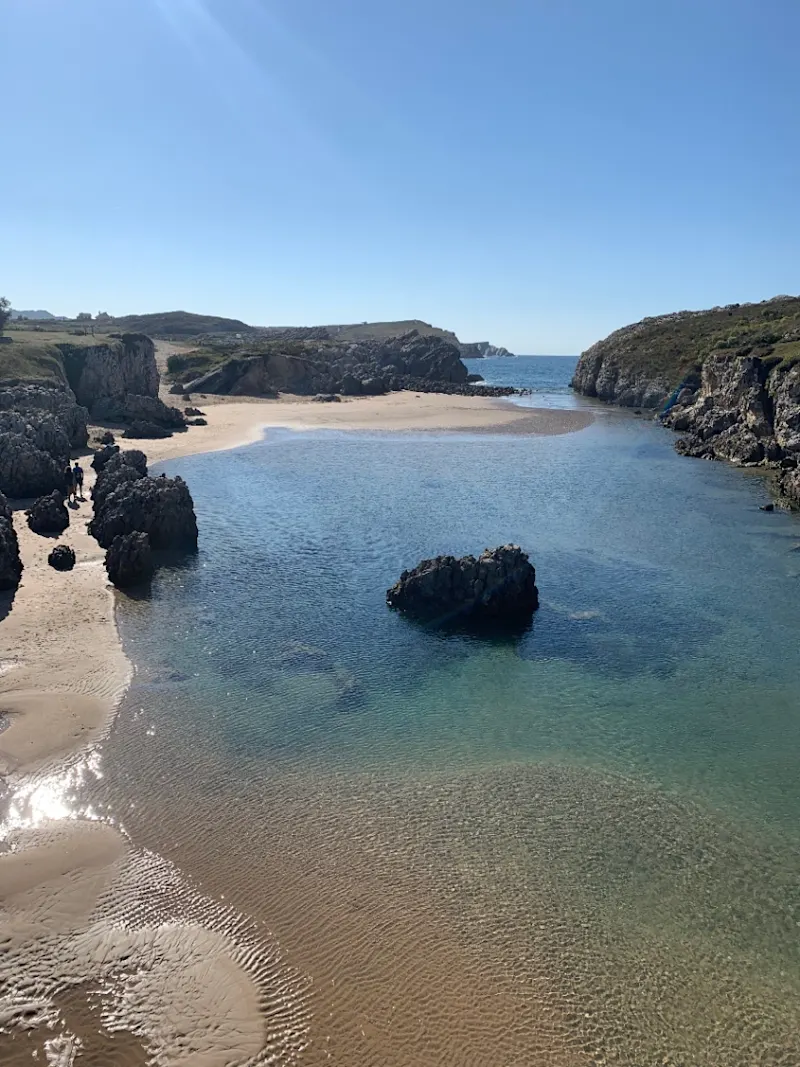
(547, 376)
(579, 844)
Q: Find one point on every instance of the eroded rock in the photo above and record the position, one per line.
(48, 514)
(62, 558)
(499, 585)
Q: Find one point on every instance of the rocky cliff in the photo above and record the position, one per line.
(746, 409)
(640, 365)
(39, 425)
(111, 371)
(728, 378)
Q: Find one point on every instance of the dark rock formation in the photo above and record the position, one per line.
(120, 468)
(320, 366)
(39, 425)
(129, 560)
(146, 430)
(10, 562)
(103, 455)
(106, 438)
(48, 515)
(482, 350)
(327, 398)
(193, 413)
(198, 422)
(62, 558)
(499, 585)
(127, 502)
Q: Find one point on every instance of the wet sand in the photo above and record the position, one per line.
(79, 903)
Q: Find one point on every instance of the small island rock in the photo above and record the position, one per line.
(499, 585)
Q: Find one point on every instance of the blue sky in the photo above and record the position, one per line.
(531, 172)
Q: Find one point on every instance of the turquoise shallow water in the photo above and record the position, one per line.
(626, 767)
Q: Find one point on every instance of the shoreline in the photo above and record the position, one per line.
(63, 673)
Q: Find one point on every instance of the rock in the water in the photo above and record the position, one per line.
(160, 507)
(48, 515)
(10, 562)
(129, 560)
(767, 507)
(62, 558)
(304, 658)
(499, 585)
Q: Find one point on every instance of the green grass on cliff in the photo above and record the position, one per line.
(384, 331)
(672, 346)
(31, 362)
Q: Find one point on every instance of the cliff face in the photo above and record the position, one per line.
(111, 371)
(747, 411)
(640, 365)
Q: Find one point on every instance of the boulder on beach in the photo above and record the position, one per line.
(48, 514)
(10, 562)
(500, 585)
(62, 558)
(104, 454)
(129, 560)
(142, 429)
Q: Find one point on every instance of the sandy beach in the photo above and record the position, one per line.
(62, 674)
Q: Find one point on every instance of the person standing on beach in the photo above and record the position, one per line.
(69, 479)
(77, 476)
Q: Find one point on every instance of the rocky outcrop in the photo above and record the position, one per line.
(106, 373)
(746, 410)
(482, 350)
(39, 425)
(62, 558)
(129, 560)
(608, 374)
(103, 455)
(500, 585)
(323, 367)
(10, 562)
(48, 514)
(146, 431)
(125, 501)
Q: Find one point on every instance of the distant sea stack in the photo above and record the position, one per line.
(729, 378)
(482, 350)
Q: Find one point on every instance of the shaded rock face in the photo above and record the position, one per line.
(500, 585)
(605, 372)
(129, 560)
(111, 371)
(134, 409)
(139, 429)
(10, 562)
(354, 369)
(103, 455)
(121, 467)
(62, 558)
(746, 410)
(48, 515)
(128, 502)
(39, 426)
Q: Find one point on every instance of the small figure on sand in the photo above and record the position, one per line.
(69, 483)
(77, 478)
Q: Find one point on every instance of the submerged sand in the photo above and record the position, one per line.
(78, 903)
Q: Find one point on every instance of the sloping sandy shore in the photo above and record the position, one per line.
(62, 674)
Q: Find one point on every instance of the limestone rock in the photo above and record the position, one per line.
(499, 585)
(38, 427)
(103, 455)
(62, 558)
(103, 373)
(48, 514)
(129, 560)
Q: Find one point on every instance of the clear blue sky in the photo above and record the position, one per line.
(531, 172)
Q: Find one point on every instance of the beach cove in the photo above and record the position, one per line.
(415, 848)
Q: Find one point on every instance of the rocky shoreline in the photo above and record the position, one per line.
(728, 379)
